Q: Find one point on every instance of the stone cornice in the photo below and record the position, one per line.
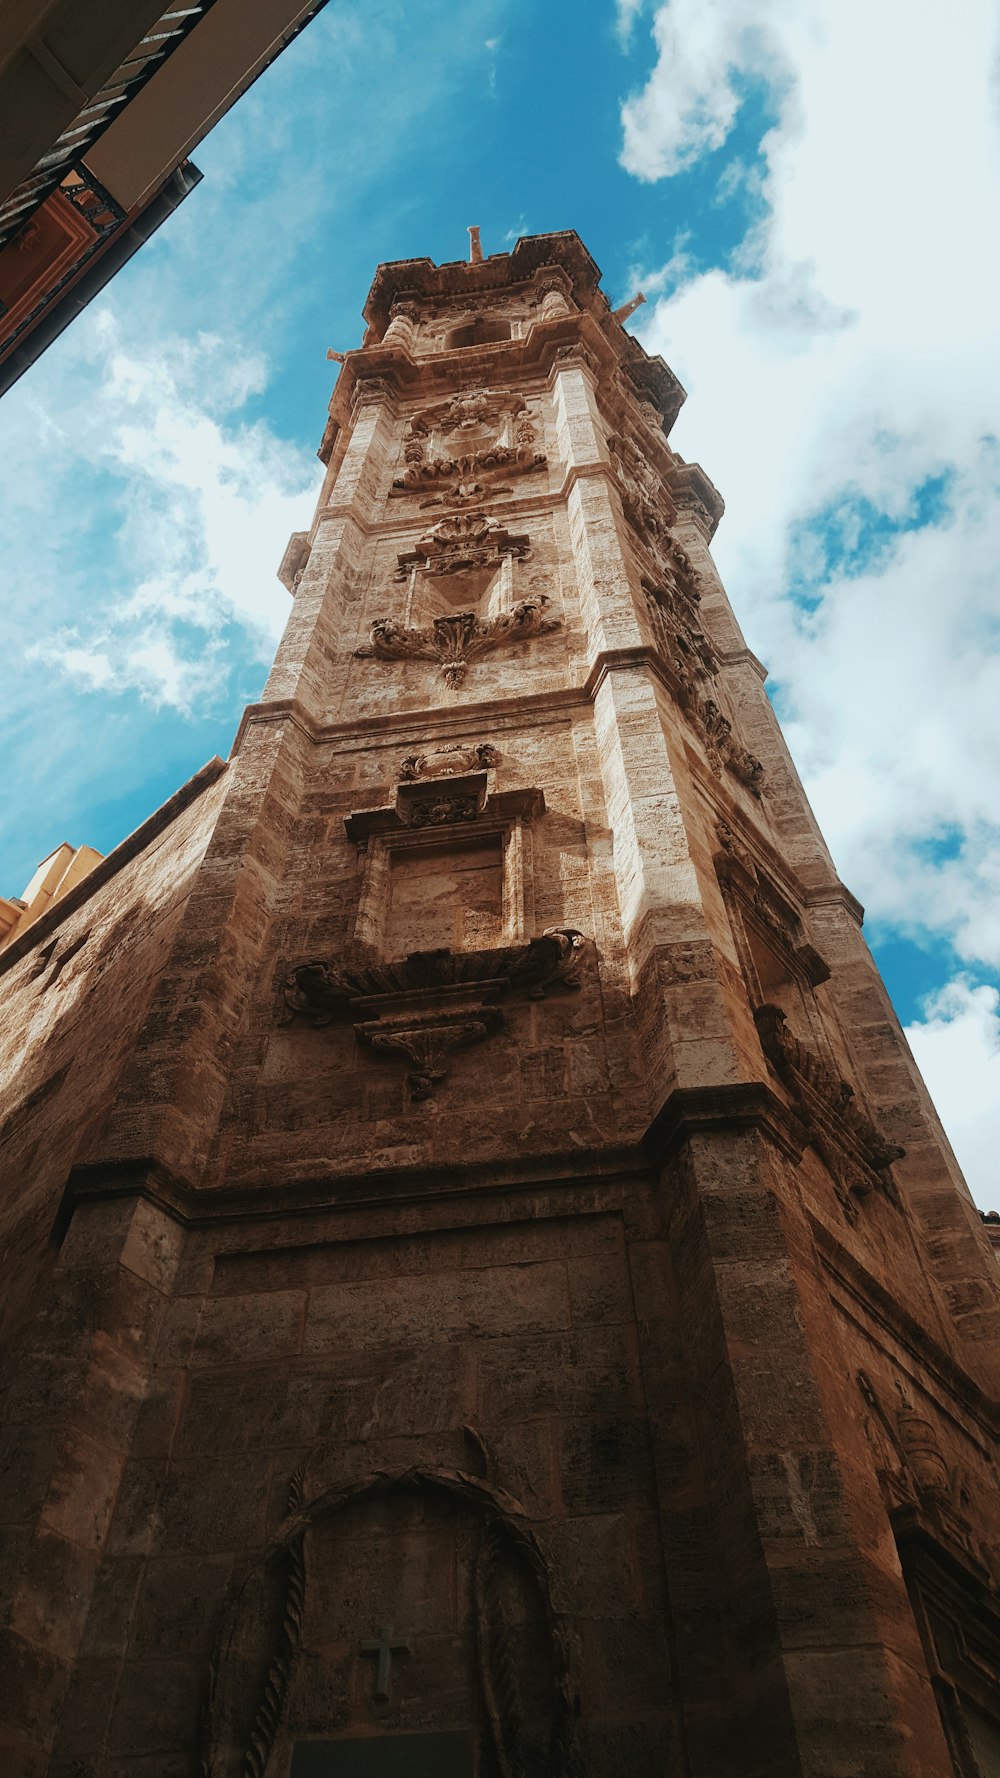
(399, 376)
(688, 1111)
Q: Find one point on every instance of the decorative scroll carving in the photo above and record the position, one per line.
(448, 762)
(519, 458)
(323, 989)
(463, 541)
(856, 1153)
(440, 1000)
(916, 1478)
(457, 639)
(471, 472)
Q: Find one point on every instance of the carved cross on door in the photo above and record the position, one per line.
(383, 1648)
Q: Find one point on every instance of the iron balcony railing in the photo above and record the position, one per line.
(139, 65)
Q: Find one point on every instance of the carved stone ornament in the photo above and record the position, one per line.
(694, 665)
(856, 1153)
(645, 503)
(459, 543)
(916, 1479)
(490, 461)
(457, 639)
(448, 762)
(755, 894)
(576, 356)
(430, 1003)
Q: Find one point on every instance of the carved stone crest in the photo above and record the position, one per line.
(460, 475)
(448, 762)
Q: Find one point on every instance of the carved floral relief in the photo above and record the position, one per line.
(458, 476)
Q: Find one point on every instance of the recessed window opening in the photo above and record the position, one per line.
(480, 332)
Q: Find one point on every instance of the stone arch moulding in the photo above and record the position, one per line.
(243, 1715)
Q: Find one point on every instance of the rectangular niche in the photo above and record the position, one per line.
(449, 868)
(447, 1755)
(445, 896)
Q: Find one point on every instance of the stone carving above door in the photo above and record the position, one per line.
(448, 762)
(460, 543)
(287, 1618)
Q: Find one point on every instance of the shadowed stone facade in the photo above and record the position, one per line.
(486, 1291)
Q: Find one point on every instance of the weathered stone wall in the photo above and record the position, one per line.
(75, 989)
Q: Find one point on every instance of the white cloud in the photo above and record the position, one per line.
(957, 1048)
(626, 14)
(196, 501)
(689, 104)
(849, 353)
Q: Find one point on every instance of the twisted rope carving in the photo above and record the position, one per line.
(278, 1674)
(497, 1667)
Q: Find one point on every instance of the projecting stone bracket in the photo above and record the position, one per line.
(430, 1003)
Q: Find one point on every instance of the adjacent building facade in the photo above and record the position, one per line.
(101, 103)
(487, 1292)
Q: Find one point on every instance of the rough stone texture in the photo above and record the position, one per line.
(551, 1305)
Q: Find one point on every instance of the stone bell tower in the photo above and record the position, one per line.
(488, 1293)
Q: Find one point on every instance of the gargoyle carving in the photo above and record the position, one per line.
(856, 1153)
(457, 639)
(441, 1000)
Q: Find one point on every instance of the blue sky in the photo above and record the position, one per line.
(822, 274)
